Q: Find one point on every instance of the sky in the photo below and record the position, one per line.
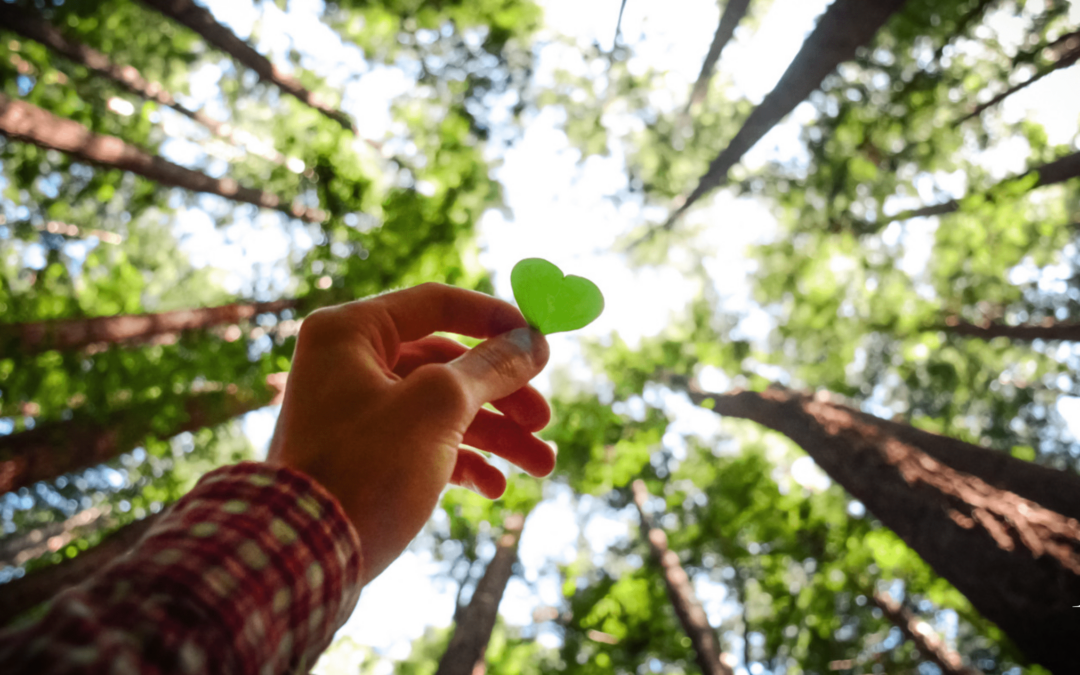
(560, 213)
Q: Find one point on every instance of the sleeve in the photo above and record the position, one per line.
(251, 572)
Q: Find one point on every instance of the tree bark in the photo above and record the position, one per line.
(1048, 330)
(1003, 531)
(55, 448)
(202, 22)
(70, 334)
(25, 122)
(38, 29)
(923, 637)
(844, 27)
(734, 11)
(465, 653)
(24, 594)
(1067, 56)
(18, 550)
(1058, 171)
(683, 599)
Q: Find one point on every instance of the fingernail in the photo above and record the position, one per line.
(522, 338)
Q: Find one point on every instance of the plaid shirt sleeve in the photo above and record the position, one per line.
(251, 572)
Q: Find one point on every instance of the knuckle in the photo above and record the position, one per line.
(443, 388)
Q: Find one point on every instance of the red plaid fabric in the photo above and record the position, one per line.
(251, 572)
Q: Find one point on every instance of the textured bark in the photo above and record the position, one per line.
(55, 448)
(1048, 330)
(734, 11)
(1003, 531)
(1058, 171)
(1067, 55)
(69, 334)
(24, 594)
(202, 22)
(38, 29)
(924, 639)
(681, 592)
(465, 653)
(20, 549)
(844, 27)
(25, 122)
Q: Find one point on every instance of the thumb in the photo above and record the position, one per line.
(501, 365)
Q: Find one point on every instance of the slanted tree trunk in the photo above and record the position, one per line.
(1058, 171)
(687, 608)
(202, 22)
(1003, 531)
(465, 654)
(55, 448)
(24, 594)
(923, 637)
(22, 121)
(844, 27)
(70, 334)
(38, 29)
(1048, 330)
(734, 11)
(20, 549)
(1067, 54)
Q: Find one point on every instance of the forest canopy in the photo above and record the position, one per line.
(828, 422)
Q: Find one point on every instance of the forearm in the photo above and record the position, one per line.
(251, 572)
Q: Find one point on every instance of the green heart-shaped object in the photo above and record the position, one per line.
(551, 302)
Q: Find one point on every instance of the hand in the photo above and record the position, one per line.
(376, 408)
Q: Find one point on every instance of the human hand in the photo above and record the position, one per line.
(376, 407)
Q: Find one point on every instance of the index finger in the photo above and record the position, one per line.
(422, 310)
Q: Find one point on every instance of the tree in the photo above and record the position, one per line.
(465, 653)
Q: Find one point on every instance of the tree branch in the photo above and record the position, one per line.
(28, 123)
(683, 599)
(923, 637)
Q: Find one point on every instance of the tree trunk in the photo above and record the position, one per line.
(1067, 56)
(24, 594)
(202, 22)
(55, 448)
(465, 654)
(36, 28)
(844, 27)
(1058, 171)
(70, 334)
(25, 122)
(1048, 330)
(734, 11)
(923, 637)
(1003, 531)
(18, 550)
(683, 599)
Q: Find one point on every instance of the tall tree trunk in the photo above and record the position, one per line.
(683, 599)
(70, 334)
(35, 588)
(55, 448)
(734, 11)
(465, 654)
(38, 29)
(1066, 56)
(25, 122)
(1058, 171)
(1003, 531)
(202, 22)
(1048, 330)
(844, 27)
(924, 638)
(18, 550)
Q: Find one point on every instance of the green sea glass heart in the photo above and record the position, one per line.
(552, 302)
